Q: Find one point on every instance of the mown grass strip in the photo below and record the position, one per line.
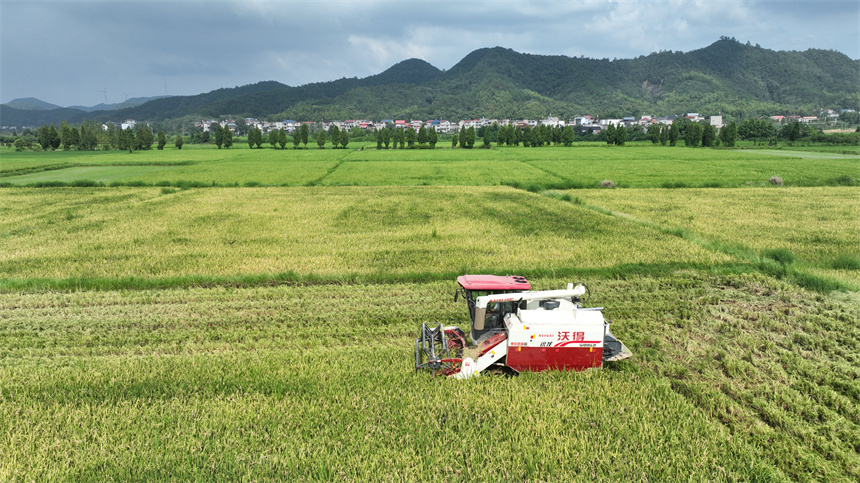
(618, 272)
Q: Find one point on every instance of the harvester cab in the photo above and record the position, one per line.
(492, 319)
(514, 329)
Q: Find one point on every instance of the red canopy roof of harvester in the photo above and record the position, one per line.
(493, 282)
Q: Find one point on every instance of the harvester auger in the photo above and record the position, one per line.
(514, 329)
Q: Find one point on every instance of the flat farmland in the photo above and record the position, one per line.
(315, 383)
(373, 232)
(657, 167)
(476, 167)
(580, 166)
(819, 226)
(243, 332)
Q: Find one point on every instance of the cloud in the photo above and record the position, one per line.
(67, 52)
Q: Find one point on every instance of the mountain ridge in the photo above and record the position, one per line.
(727, 76)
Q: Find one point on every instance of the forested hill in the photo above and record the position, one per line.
(727, 77)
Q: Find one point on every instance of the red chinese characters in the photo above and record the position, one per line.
(571, 336)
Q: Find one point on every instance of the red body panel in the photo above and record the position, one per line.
(493, 283)
(542, 358)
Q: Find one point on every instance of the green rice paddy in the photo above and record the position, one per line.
(263, 328)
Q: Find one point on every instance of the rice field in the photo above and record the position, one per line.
(326, 231)
(242, 332)
(819, 226)
(582, 166)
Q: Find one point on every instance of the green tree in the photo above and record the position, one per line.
(538, 136)
(846, 117)
(219, 136)
(228, 137)
(273, 138)
(567, 136)
(65, 135)
(344, 138)
(528, 136)
(304, 134)
(43, 137)
(297, 139)
(144, 137)
(502, 135)
(693, 135)
(709, 135)
(251, 137)
(454, 140)
(55, 137)
(620, 136)
(410, 137)
(610, 134)
(127, 140)
(162, 140)
(682, 123)
(321, 139)
(654, 133)
(335, 136)
(432, 137)
(791, 131)
(756, 129)
(664, 134)
(90, 134)
(422, 136)
(674, 133)
(111, 137)
(472, 137)
(386, 136)
(241, 127)
(282, 138)
(258, 137)
(545, 135)
(179, 141)
(729, 134)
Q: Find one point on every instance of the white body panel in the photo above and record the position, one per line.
(556, 328)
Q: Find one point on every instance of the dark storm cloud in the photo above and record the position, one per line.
(70, 52)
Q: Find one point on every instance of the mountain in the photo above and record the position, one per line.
(10, 116)
(727, 77)
(31, 104)
(134, 101)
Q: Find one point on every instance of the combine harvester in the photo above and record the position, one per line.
(514, 330)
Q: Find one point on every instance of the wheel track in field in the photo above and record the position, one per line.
(330, 171)
(531, 164)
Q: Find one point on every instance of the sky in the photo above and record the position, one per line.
(74, 52)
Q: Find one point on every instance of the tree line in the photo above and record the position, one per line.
(89, 135)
